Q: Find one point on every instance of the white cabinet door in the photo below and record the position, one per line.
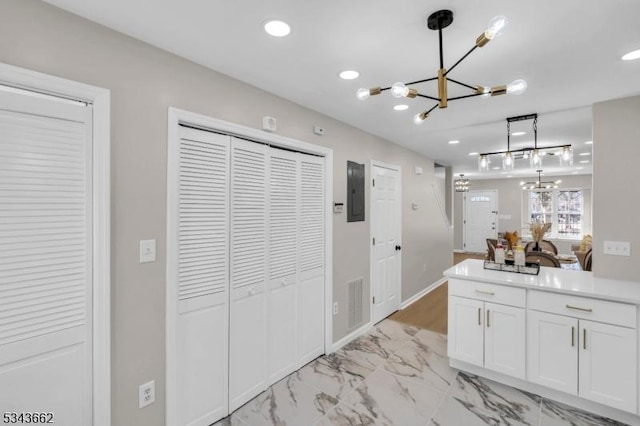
(552, 351)
(504, 339)
(248, 271)
(466, 330)
(608, 369)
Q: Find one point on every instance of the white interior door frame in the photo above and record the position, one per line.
(21, 78)
(398, 169)
(176, 117)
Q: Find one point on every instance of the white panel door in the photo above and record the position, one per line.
(311, 280)
(203, 283)
(385, 230)
(504, 339)
(480, 219)
(282, 320)
(466, 333)
(608, 365)
(46, 258)
(552, 351)
(248, 272)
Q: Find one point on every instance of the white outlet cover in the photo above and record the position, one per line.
(147, 251)
(147, 394)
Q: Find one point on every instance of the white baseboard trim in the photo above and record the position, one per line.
(458, 251)
(351, 336)
(418, 295)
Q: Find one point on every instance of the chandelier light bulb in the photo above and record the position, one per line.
(507, 161)
(483, 163)
(566, 157)
(535, 160)
(517, 87)
(399, 90)
(420, 118)
(496, 27)
(363, 93)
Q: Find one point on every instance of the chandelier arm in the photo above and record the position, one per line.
(440, 40)
(432, 108)
(421, 81)
(465, 96)
(460, 60)
(428, 97)
(462, 84)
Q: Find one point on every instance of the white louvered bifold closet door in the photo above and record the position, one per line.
(46, 258)
(203, 271)
(284, 192)
(311, 265)
(249, 213)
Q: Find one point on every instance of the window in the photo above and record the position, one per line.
(561, 207)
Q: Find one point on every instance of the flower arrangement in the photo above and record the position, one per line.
(538, 230)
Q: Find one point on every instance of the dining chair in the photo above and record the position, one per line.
(544, 259)
(544, 245)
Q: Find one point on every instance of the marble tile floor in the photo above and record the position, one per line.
(399, 375)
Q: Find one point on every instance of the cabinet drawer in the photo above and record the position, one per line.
(583, 307)
(501, 294)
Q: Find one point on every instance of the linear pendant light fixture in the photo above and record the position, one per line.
(437, 21)
(534, 154)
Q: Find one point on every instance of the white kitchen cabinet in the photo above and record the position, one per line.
(487, 334)
(591, 359)
(552, 342)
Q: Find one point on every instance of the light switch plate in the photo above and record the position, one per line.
(147, 251)
(617, 248)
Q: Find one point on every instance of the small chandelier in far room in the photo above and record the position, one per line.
(462, 184)
(539, 184)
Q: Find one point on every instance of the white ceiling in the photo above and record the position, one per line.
(568, 51)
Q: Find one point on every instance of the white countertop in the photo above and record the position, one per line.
(577, 283)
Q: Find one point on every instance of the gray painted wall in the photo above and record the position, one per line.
(511, 203)
(616, 195)
(144, 82)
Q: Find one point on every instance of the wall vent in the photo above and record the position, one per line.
(355, 303)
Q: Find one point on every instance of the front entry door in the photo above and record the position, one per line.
(385, 231)
(480, 219)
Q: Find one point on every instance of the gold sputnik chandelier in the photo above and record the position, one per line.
(437, 21)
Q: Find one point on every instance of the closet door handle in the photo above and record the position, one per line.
(488, 323)
(584, 339)
(252, 290)
(479, 316)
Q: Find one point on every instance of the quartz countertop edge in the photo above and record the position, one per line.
(558, 280)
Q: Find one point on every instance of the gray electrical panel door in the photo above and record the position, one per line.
(355, 192)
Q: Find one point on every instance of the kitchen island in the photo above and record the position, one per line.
(563, 334)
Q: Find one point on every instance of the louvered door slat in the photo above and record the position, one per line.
(283, 213)
(202, 204)
(312, 214)
(44, 219)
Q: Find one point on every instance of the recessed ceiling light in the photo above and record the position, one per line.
(518, 133)
(473, 153)
(584, 161)
(589, 142)
(495, 168)
(584, 154)
(453, 142)
(277, 28)
(349, 75)
(401, 107)
(631, 55)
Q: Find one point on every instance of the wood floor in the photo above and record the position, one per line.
(430, 311)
